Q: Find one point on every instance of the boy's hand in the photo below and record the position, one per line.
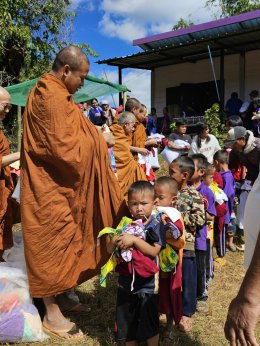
(111, 244)
(125, 241)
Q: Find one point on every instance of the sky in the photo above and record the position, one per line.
(110, 26)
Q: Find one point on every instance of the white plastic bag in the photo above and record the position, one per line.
(154, 158)
(19, 318)
(169, 154)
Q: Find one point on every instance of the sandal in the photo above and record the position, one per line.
(73, 334)
(80, 308)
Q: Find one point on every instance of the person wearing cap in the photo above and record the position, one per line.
(6, 182)
(109, 113)
(179, 134)
(245, 149)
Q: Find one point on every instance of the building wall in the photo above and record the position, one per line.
(199, 72)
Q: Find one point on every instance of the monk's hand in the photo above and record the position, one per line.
(241, 321)
(151, 143)
(143, 151)
(125, 241)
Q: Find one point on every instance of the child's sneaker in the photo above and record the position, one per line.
(185, 324)
(241, 247)
(202, 307)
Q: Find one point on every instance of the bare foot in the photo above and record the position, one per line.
(67, 333)
(56, 324)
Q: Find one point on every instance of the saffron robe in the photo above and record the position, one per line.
(128, 169)
(139, 137)
(68, 191)
(6, 189)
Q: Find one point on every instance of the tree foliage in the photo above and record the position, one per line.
(30, 33)
(233, 7)
(213, 119)
(182, 23)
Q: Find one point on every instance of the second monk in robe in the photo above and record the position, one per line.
(128, 169)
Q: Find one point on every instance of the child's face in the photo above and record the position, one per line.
(208, 179)
(141, 205)
(176, 174)
(164, 197)
(198, 174)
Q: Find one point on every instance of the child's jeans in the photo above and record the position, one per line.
(189, 286)
(201, 259)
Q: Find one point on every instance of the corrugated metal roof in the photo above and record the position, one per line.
(233, 37)
(224, 26)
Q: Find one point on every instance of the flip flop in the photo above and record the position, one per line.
(55, 333)
(79, 308)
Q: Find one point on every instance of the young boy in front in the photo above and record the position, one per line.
(191, 205)
(220, 161)
(166, 190)
(202, 247)
(137, 317)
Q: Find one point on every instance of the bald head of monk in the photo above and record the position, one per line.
(128, 121)
(5, 103)
(71, 66)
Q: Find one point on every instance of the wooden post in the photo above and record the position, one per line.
(124, 99)
(19, 127)
(242, 75)
(222, 79)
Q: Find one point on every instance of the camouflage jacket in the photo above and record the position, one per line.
(191, 205)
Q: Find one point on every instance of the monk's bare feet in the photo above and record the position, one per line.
(56, 324)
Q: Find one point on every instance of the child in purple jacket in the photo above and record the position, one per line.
(220, 160)
(203, 251)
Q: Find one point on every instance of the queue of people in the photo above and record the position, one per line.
(84, 175)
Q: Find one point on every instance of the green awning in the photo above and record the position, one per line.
(93, 87)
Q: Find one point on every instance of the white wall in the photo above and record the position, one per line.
(199, 72)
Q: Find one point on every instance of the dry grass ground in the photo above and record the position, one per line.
(207, 331)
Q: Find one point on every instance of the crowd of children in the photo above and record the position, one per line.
(189, 211)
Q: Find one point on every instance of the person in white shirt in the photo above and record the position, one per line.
(204, 143)
(244, 310)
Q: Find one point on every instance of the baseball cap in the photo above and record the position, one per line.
(104, 102)
(234, 134)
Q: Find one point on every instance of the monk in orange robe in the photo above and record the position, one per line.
(128, 169)
(68, 189)
(6, 182)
